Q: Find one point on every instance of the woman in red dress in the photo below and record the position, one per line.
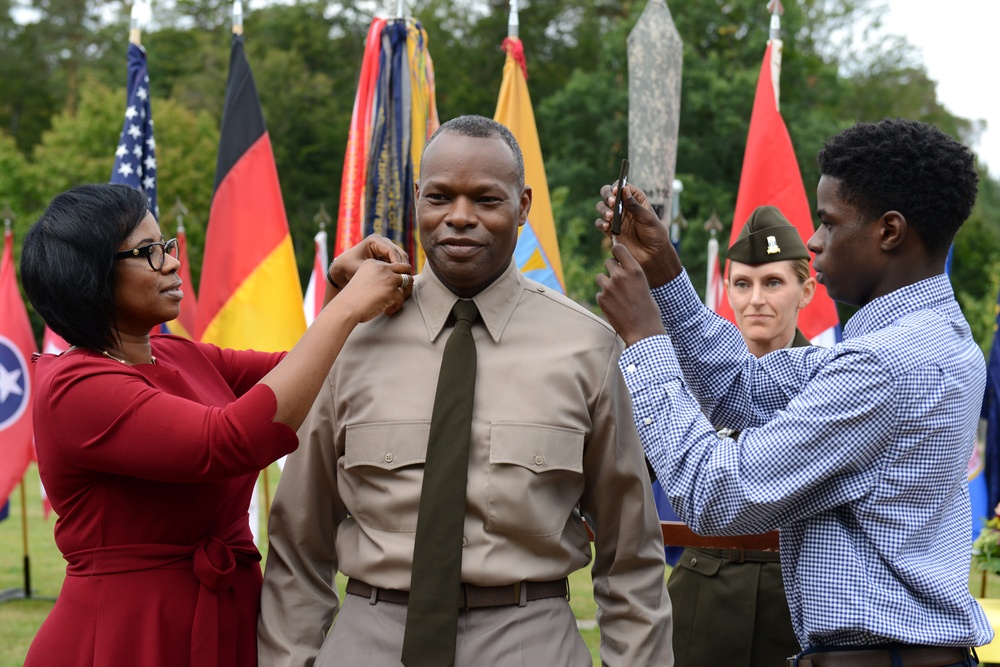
(149, 445)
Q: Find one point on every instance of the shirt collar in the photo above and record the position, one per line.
(496, 303)
(883, 311)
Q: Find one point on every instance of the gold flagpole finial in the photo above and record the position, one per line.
(133, 31)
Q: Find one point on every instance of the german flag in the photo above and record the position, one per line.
(250, 293)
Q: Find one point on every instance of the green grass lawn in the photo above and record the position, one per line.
(21, 618)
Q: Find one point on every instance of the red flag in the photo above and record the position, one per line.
(351, 217)
(771, 176)
(250, 291)
(185, 322)
(17, 344)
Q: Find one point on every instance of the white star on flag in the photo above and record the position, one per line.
(125, 169)
(131, 113)
(8, 383)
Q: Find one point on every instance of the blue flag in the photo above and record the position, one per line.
(135, 157)
(991, 413)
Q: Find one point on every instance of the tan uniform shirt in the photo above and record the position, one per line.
(552, 438)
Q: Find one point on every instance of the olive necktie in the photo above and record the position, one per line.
(436, 578)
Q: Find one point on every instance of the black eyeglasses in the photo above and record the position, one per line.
(155, 253)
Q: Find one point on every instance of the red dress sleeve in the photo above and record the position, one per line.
(198, 414)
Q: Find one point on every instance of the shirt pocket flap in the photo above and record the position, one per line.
(386, 445)
(537, 447)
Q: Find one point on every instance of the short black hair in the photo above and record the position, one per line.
(482, 127)
(67, 260)
(905, 166)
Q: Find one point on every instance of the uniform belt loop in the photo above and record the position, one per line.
(521, 593)
(373, 598)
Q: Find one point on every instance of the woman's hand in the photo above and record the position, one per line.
(374, 246)
(346, 265)
(377, 286)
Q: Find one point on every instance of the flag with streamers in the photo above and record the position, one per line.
(315, 291)
(135, 157)
(771, 176)
(250, 292)
(394, 114)
(17, 344)
(537, 251)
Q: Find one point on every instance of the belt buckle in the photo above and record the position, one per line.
(737, 556)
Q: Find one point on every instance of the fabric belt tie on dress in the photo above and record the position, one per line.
(473, 597)
(213, 560)
(893, 656)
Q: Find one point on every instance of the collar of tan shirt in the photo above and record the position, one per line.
(496, 303)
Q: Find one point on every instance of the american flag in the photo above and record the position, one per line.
(135, 157)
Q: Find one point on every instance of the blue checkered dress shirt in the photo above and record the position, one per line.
(857, 453)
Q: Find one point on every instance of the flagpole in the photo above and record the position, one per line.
(513, 24)
(237, 17)
(24, 541)
(134, 32)
(776, 9)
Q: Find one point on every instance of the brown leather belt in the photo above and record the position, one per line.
(473, 597)
(910, 656)
(743, 555)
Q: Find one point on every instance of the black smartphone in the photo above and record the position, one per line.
(616, 220)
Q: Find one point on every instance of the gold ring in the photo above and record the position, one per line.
(405, 280)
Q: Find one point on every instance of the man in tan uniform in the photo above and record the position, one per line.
(553, 443)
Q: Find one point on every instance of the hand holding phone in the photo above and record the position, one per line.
(616, 219)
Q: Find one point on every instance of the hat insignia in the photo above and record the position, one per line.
(772, 245)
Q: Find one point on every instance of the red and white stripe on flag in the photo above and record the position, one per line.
(313, 302)
(714, 289)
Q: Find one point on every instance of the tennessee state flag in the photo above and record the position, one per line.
(185, 323)
(771, 176)
(537, 251)
(250, 292)
(17, 344)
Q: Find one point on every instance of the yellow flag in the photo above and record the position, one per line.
(537, 252)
